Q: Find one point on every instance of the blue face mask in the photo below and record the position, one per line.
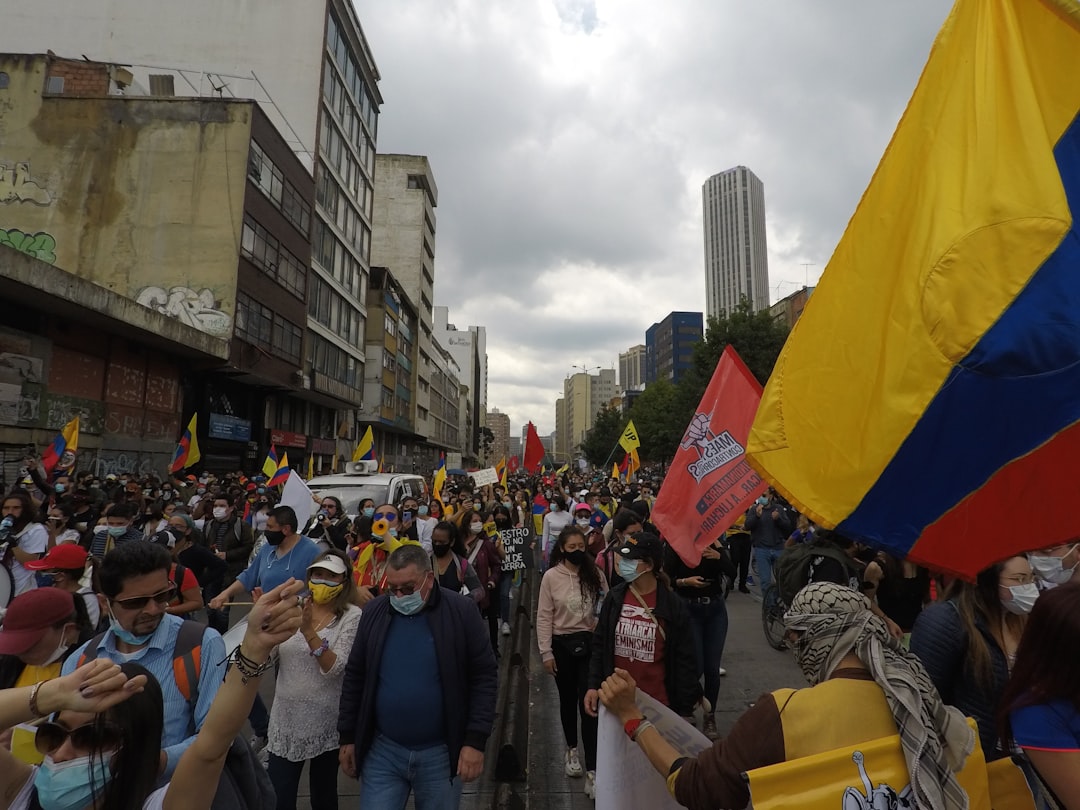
(369, 511)
(126, 636)
(45, 580)
(71, 785)
(407, 605)
(59, 488)
(117, 531)
(628, 569)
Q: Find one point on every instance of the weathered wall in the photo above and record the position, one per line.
(141, 196)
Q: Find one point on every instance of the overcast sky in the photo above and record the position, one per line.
(570, 140)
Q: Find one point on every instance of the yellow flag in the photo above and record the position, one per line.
(629, 439)
(615, 471)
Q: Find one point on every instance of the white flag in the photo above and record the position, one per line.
(297, 495)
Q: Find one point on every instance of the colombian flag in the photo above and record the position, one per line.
(930, 393)
(440, 478)
(500, 470)
(365, 448)
(281, 473)
(66, 439)
(187, 451)
(270, 466)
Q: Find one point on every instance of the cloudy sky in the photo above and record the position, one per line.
(570, 140)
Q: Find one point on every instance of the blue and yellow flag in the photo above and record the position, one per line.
(365, 448)
(930, 392)
(439, 481)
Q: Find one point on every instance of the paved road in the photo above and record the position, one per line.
(753, 667)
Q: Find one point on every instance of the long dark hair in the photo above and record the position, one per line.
(457, 545)
(135, 766)
(1043, 672)
(588, 573)
(27, 514)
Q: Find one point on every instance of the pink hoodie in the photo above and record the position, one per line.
(561, 610)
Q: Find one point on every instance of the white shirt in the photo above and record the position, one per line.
(424, 527)
(34, 539)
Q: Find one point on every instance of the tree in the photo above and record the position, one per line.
(659, 420)
(756, 336)
(603, 436)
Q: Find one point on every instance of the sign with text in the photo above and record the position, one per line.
(518, 553)
(484, 477)
(283, 438)
(229, 428)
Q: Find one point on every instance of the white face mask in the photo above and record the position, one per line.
(60, 650)
(476, 528)
(583, 522)
(1021, 598)
(220, 512)
(1051, 569)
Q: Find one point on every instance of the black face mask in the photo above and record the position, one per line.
(274, 538)
(575, 557)
(502, 523)
(440, 549)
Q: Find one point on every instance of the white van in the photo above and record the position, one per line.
(361, 480)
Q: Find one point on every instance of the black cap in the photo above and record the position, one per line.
(641, 546)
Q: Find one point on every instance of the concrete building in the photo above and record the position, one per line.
(499, 425)
(736, 260)
(583, 396)
(669, 346)
(403, 240)
(469, 349)
(632, 368)
(788, 310)
(132, 305)
(321, 91)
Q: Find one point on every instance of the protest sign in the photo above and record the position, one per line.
(484, 477)
(518, 553)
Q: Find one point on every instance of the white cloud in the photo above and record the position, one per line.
(570, 139)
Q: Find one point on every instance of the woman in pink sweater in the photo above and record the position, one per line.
(570, 596)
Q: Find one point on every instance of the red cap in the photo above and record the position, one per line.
(30, 615)
(64, 557)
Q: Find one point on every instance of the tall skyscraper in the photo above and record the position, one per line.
(736, 261)
(632, 368)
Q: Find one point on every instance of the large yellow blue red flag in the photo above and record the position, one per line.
(281, 474)
(440, 478)
(66, 441)
(365, 448)
(187, 449)
(930, 393)
(270, 464)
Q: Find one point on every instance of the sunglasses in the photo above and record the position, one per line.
(406, 590)
(139, 602)
(385, 516)
(95, 736)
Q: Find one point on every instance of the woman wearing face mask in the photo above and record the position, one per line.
(41, 629)
(27, 540)
(303, 718)
(425, 523)
(366, 508)
(369, 572)
(570, 595)
(102, 739)
(503, 522)
(485, 557)
(1056, 565)
(644, 629)
(261, 512)
(1041, 705)
(968, 642)
(554, 522)
(58, 524)
(452, 570)
(330, 523)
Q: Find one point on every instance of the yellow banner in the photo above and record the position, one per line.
(629, 439)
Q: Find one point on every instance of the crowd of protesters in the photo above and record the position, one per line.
(363, 609)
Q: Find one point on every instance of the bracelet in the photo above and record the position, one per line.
(631, 726)
(34, 710)
(247, 668)
(318, 651)
(641, 727)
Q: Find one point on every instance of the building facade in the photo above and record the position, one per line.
(583, 396)
(468, 347)
(736, 259)
(789, 309)
(632, 367)
(499, 425)
(669, 346)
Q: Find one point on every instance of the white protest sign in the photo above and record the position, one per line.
(625, 779)
(484, 477)
(296, 494)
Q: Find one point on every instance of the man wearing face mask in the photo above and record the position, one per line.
(40, 630)
(418, 699)
(231, 539)
(136, 592)
(1056, 565)
(118, 528)
(64, 567)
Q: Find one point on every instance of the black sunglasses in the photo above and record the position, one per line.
(139, 602)
(94, 736)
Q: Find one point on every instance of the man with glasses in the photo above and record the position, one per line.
(135, 595)
(418, 699)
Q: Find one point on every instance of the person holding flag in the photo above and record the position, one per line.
(60, 455)
(187, 450)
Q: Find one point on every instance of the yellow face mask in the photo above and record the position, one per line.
(323, 592)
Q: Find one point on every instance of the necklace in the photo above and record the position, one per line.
(273, 557)
(326, 623)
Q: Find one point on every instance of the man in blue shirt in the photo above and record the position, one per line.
(136, 589)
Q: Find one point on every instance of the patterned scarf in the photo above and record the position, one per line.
(832, 621)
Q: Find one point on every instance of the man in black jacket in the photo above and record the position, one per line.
(418, 698)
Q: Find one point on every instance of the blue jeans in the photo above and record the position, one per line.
(766, 558)
(390, 771)
(504, 595)
(709, 624)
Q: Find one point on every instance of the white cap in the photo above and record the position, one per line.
(330, 562)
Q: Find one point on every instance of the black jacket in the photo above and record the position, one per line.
(680, 660)
(467, 670)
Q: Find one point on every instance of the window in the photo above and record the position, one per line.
(389, 326)
(260, 326)
(264, 251)
(271, 182)
(328, 359)
(387, 398)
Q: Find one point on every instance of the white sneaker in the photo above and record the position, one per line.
(506, 628)
(590, 784)
(721, 671)
(573, 764)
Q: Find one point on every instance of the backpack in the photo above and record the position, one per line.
(792, 570)
(244, 783)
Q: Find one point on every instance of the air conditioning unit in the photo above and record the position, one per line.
(367, 467)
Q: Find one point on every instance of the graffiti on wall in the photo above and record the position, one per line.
(109, 462)
(40, 245)
(198, 310)
(21, 377)
(16, 185)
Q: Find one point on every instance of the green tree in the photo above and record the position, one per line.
(604, 435)
(660, 421)
(756, 336)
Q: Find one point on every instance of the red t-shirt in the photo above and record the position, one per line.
(639, 647)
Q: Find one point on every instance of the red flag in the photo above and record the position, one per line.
(710, 483)
(513, 465)
(534, 450)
